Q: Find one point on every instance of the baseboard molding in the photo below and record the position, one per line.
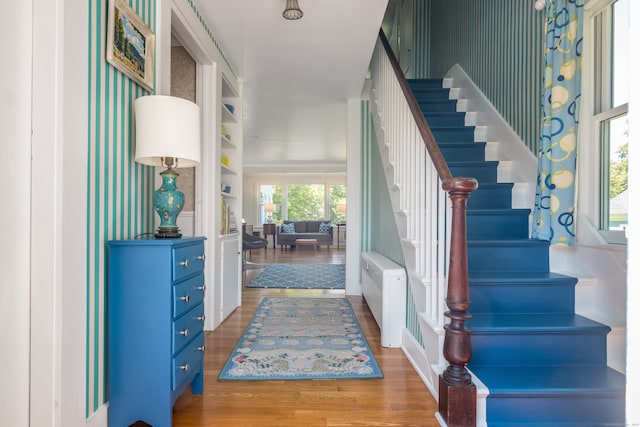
(418, 359)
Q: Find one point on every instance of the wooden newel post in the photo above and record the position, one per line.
(457, 393)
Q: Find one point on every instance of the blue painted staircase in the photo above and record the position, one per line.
(543, 364)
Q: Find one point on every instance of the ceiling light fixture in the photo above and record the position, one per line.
(292, 11)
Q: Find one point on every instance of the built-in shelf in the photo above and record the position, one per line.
(226, 170)
(228, 195)
(227, 116)
(226, 142)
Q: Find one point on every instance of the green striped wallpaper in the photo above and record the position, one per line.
(384, 238)
(422, 29)
(119, 190)
(379, 232)
(366, 133)
(499, 43)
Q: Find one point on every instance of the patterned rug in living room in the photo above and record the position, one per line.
(301, 339)
(300, 276)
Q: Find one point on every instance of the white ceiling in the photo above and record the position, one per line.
(297, 75)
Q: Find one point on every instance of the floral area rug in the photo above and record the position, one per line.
(300, 276)
(300, 339)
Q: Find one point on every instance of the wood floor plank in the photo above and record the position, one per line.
(398, 399)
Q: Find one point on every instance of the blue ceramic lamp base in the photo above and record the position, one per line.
(168, 202)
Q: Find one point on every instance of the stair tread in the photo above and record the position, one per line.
(544, 380)
(496, 277)
(540, 322)
(508, 242)
(487, 185)
(436, 101)
(462, 163)
(456, 128)
(553, 423)
(462, 144)
(512, 211)
(444, 113)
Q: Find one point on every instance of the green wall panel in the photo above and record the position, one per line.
(119, 190)
(379, 231)
(499, 43)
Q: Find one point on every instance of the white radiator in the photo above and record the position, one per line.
(384, 287)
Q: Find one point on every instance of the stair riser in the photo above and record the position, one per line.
(490, 198)
(498, 226)
(554, 410)
(425, 84)
(482, 173)
(464, 153)
(449, 119)
(438, 106)
(497, 244)
(431, 94)
(521, 349)
(454, 135)
(533, 258)
(518, 298)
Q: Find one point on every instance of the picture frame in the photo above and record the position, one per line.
(130, 44)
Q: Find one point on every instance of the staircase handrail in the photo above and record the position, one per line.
(457, 395)
(423, 127)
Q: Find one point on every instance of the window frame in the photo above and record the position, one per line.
(597, 111)
(282, 208)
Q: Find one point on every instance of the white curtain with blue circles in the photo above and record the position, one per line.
(554, 209)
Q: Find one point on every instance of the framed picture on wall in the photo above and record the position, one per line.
(130, 44)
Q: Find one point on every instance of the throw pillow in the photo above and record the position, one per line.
(287, 228)
(324, 228)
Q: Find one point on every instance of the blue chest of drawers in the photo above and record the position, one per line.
(155, 332)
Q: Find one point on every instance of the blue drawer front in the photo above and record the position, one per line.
(188, 294)
(188, 362)
(187, 260)
(187, 327)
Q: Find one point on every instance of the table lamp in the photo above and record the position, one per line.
(342, 208)
(168, 135)
(269, 209)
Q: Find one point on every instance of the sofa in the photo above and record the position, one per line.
(304, 230)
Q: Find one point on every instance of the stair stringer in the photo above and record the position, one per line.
(520, 164)
(427, 359)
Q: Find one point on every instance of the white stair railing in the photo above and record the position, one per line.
(421, 206)
(432, 227)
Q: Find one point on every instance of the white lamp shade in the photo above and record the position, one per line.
(167, 126)
(269, 207)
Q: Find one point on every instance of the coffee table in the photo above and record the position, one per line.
(307, 242)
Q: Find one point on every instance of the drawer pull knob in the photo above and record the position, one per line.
(202, 288)
(185, 263)
(201, 317)
(185, 367)
(202, 257)
(201, 348)
(185, 332)
(185, 298)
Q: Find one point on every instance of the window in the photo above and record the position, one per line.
(297, 202)
(609, 31)
(305, 202)
(338, 203)
(270, 196)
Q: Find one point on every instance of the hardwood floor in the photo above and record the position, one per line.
(399, 399)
